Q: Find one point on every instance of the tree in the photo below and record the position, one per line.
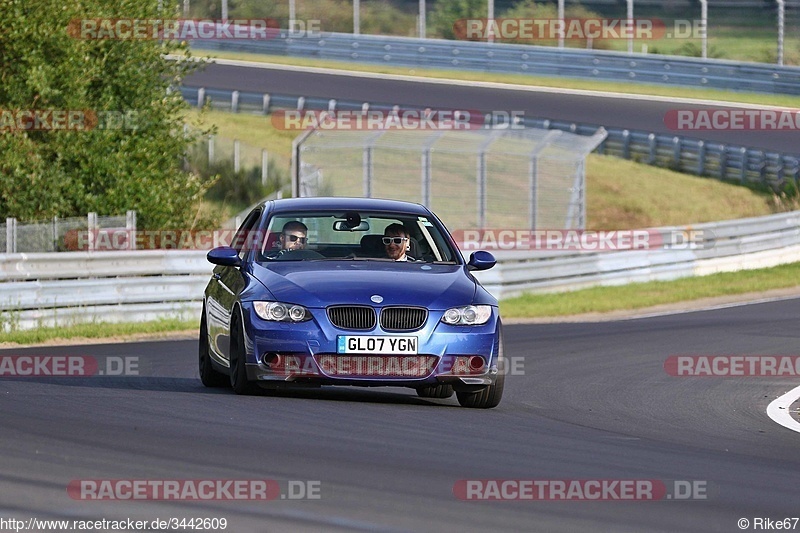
(128, 154)
(449, 12)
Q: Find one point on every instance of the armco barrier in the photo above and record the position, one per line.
(726, 162)
(524, 59)
(70, 287)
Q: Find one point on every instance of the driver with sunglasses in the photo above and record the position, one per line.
(396, 242)
(293, 236)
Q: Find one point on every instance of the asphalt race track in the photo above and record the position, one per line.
(593, 401)
(618, 111)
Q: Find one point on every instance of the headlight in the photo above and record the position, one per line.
(468, 315)
(281, 312)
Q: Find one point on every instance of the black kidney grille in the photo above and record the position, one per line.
(403, 318)
(352, 317)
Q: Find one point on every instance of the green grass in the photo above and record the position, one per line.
(519, 79)
(95, 330)
(623, 194)
(641, 295)
(255, 132)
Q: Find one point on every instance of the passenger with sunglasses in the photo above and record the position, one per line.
(397, 242)
(293, 236)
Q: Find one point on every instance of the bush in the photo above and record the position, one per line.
(238, 189)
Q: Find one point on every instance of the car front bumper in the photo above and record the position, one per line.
(306, 353)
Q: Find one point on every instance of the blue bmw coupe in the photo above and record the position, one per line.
(350, 291)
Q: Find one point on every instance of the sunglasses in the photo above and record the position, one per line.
(393, 240)
(295, 238)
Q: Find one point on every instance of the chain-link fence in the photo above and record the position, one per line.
(484, 178)
(62, 234)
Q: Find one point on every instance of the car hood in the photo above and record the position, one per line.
(324, 283)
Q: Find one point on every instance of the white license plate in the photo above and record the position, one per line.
(375, 344)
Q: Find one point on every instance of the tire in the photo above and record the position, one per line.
(209, 376)
(238, 376)
(490, 396)
(442, 390)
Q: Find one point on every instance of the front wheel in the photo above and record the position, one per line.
(485, 398)
(490, 396)
(239, 382)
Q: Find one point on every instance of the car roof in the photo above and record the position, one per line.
(345, 204)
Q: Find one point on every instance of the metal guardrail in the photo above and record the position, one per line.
(726, 162)
(47, 289)
(69, 287)
(524, 59)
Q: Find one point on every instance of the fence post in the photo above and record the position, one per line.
(630, 18)
(236, 161)
(626, 144)
(91, 221)
(265, 104)
(745, 164)
(704, 29)
(11, 235)
(723, 162)
(264, 167)
(366, 171)
(426, 177)
(533, 178)
(533, 192)
(651, 139)
(481, 190)
(781, 12)
(676, 151)
(301, 103)
(701, 158)
(201, 96)
(426, 165)
(55, 233)
(130, 226)
(210, 149)
(421, 19)
(235, 102)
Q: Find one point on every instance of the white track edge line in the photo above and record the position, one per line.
(778, 410)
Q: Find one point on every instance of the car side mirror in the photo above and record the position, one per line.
(225, 256)
(481, 260)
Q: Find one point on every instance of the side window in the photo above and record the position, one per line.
(245, 239)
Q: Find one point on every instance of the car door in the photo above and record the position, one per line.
(227, 283)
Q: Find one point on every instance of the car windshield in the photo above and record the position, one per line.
(354, 236)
